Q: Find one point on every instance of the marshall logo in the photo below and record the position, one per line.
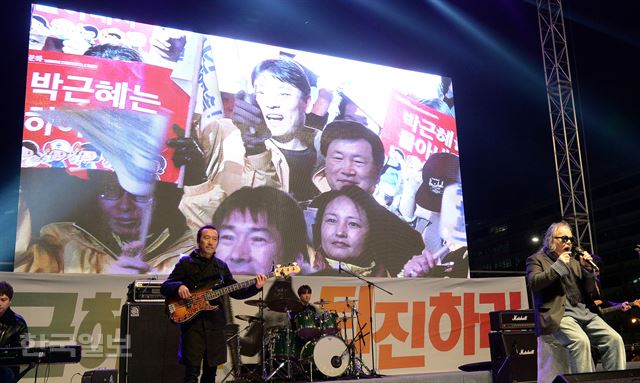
(525, 352)
(511, 320)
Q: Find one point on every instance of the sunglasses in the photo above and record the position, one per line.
(114, 193)
(565, 239)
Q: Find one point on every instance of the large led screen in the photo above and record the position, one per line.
(136, 135)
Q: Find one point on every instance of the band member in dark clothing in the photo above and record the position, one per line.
(304, 292)
(13, 331)
(202, 339)
(566, 329)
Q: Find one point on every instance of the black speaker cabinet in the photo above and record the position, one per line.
(150, 352)
(100, 376)
(624, 376)
(513, 356)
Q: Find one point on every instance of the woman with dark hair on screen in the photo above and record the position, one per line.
(353, 232)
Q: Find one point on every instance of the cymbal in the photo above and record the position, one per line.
(284, 305)
(321, 302)
(256, 302)
(249, 318)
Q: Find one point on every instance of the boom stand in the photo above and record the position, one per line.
(373, 344)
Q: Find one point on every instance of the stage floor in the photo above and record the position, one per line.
(443, 377)
(436, 377)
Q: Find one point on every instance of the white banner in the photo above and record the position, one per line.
(426, 325)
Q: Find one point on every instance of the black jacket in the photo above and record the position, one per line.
(548, 293)
(205, 332)
(13, 330)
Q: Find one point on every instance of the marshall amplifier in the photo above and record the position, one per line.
(100, 376)
(510, 320)
(513, 356)
(145, 290)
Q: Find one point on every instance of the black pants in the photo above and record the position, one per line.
(192, 373)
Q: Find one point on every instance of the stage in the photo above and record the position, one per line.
(446, 377)
(435, 377)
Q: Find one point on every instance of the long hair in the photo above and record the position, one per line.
(390, 241)
(547, 243)
(362, 200)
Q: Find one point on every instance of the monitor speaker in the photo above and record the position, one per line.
(513, 356)
(623, 376)
(150, 352)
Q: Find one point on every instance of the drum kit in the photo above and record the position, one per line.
(313, 346)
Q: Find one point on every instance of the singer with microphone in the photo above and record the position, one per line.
(562, 278)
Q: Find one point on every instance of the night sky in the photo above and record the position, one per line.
(490, 48)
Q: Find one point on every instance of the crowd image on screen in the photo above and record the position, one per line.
(107, 236)
(293, 156)
(354, 232)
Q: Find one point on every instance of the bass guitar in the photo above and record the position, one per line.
(606, 310)
(183, 310)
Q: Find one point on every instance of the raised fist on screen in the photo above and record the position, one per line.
(247, 116)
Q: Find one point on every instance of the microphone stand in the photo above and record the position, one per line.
(369, 286)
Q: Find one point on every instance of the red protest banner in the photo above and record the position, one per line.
(58, 81)
(418, 129)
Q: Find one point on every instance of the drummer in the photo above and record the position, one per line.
(304, 293)
(304, 321)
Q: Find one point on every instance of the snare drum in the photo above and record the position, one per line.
(305, 325)
(328, 323)
(328, 356)
(281, 344)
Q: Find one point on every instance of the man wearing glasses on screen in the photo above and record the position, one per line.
(118, 232)
(562, 278)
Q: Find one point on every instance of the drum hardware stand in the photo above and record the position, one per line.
(370, 284)
(356, 371)
(287, 362)
(236, 374)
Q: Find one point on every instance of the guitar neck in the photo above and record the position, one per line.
(213, 294)
(607, 310)
(618, 307)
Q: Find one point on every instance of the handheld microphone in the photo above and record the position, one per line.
(577, 251)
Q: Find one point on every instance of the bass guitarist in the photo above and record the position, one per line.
(202, 339)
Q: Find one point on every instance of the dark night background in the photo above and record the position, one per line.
(492, 51)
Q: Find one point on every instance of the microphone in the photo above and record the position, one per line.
(577, 251)
(336, 361)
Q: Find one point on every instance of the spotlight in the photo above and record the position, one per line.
(535, 239)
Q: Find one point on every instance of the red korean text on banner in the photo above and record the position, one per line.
(58, 81)
(418, 129)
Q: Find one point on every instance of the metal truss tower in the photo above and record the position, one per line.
(564, 128)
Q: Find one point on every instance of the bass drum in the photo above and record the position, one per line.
(328, 356)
